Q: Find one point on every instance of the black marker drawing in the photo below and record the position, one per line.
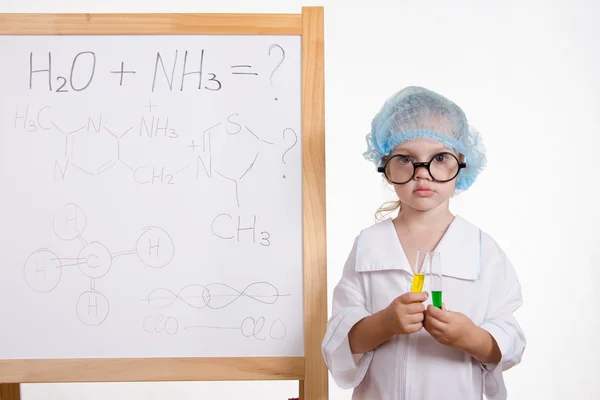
(295, 141)
(43, 269)
(277, 330)
(193, 146)
(31, 125)
(91, 73)
(94, 260)
(236, 181)
(118, 138)
(173, 71)
(62, 80)
(156, 127)
(214, 295)
(238, 127)
(278, 65)
(204, 162)
(249, 167)
(206, 137)
(156, 175)
(237, 72)
(105, 166)
(150, 105)
(66, 133)
(68, 143)
(122, 72)
(32, 71)
(69, 222)
(252, 328)
(160, 324)
(213, 83)
(254, 134)
(92, 308)
(155, 247)
(206, 147)
(223, 230)
(169, 81)
(150, 128)
(207, 166)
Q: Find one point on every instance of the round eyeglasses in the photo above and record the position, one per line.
(400, 168)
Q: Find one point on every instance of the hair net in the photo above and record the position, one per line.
(416, 112)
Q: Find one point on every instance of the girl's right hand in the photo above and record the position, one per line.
(406, 313)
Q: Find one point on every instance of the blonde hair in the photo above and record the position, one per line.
(390, 206)
(387, 208)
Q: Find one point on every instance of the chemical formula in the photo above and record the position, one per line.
(177, 70)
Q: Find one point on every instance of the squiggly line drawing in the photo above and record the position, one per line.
(251, 328)
(214, 295)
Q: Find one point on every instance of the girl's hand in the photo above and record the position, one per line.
(405, 313)
(457, 330)
(449, 328)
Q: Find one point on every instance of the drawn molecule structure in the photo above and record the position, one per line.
(43, 269)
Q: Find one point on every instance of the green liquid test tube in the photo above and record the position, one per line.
(435, 268)
(436, 298)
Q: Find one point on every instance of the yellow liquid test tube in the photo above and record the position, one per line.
(419, 273)
(417, 282)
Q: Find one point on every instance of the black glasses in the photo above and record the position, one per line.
(400, 168)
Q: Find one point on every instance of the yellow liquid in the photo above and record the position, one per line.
(417, 283)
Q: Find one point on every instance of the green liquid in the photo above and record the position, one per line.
(436, 298)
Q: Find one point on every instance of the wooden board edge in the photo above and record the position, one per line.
(314, 202)
(149, 24)
(152, 369)
(10, 391)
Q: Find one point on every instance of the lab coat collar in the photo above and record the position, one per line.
(379, 249)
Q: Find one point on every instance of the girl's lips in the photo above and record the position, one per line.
(424, 192)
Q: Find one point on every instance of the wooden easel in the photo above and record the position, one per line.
(309, 370)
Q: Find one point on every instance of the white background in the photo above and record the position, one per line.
(526, 73)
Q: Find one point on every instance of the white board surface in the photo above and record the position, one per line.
(151, 196)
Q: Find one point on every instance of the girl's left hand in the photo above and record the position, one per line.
(447, 327)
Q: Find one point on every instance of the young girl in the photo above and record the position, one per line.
(387, 342)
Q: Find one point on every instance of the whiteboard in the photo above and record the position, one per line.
(151, 196)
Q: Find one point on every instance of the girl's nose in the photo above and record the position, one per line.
(422, 173)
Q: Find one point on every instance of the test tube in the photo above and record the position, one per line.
(435, 270)
(419, 273)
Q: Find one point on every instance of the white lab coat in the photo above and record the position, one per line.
(478, 281)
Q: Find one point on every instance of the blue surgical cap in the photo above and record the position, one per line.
(416, 112)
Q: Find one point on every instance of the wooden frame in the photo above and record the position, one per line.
(309, 370)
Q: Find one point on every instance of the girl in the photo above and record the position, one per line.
(387, 342)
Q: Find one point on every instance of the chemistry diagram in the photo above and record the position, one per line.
(154, 145)
(44, 269)
(225, 148)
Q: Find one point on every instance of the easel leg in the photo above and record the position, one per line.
(301, 391)
(10, 391)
